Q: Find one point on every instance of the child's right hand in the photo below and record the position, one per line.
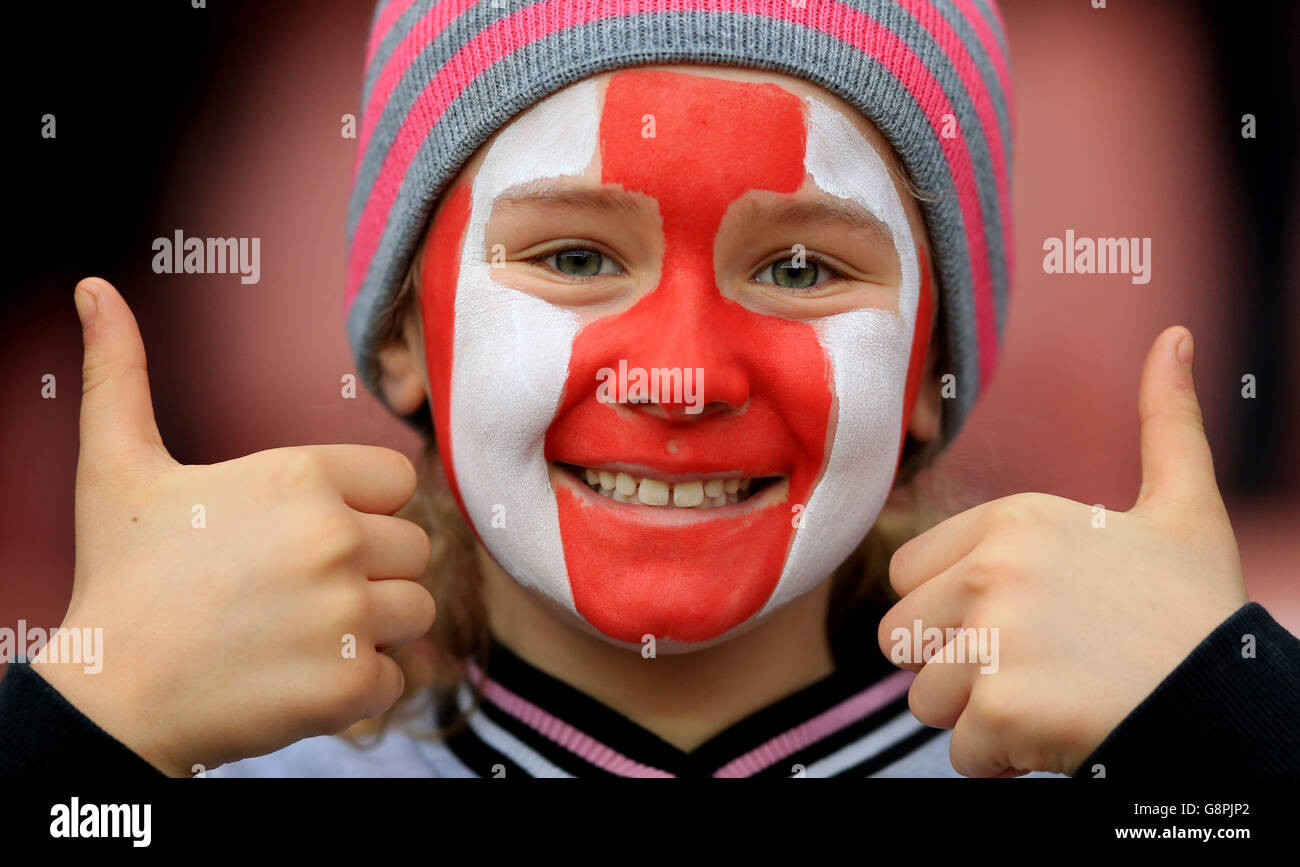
(225, 627)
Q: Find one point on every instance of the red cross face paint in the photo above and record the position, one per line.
(691, 518)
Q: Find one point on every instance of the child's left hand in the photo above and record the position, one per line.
(1090, 619)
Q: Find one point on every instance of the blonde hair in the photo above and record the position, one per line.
(460, 632)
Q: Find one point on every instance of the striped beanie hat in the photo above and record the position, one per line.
(443, 75)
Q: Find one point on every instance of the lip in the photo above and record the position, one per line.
(770, 496)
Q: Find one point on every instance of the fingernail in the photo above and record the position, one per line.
(1184, 350)
(87, 305)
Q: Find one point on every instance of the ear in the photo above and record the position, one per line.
(401, 368)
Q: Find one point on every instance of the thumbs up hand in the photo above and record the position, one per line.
(1085, 612)
(244, 605)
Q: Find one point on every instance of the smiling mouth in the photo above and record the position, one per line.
(686, 493)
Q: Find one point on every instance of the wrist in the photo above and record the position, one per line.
(113, 708)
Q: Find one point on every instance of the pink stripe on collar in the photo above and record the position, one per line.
(824, 724)
(561, 732)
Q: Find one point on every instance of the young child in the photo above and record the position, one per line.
(681, 297)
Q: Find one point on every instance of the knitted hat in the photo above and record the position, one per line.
(443, 75)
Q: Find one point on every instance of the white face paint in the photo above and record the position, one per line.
(513, 352)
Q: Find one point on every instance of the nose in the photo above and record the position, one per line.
(678, 412)
(702, 394)
(683, 332)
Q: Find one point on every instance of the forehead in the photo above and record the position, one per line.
(797, 86)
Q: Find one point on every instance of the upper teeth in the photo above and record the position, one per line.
(699, 493)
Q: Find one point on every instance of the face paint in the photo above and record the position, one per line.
(819, 404)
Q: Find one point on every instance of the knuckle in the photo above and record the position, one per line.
(343, 611)
(355, 605)
(98, 370)
(296, 470)
(94, 373)
(1025, 510)
(1188, 413)
(980, 577)
(335, 536)
(1012, 513)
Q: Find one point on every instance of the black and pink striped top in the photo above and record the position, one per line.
(854, 722)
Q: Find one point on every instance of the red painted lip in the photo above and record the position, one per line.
(766, 498)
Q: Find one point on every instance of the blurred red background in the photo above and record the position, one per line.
(1120, 131)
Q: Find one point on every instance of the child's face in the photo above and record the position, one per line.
(610, 298)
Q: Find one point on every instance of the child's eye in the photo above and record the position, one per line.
(796, 278)
(579, 262)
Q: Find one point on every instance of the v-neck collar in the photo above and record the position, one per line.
(533, 723)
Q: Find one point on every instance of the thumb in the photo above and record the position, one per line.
(1176, 464)
(116, 409)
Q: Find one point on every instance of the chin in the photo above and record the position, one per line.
(663, 646)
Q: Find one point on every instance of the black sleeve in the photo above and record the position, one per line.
(1223, 712)
(41, 733)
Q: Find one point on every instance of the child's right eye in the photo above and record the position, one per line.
(580, 262)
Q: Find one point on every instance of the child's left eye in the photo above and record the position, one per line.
(798, 278)
(579, 262)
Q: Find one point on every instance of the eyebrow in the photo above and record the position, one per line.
(824, 208)
(820, 210)
(546, 192)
